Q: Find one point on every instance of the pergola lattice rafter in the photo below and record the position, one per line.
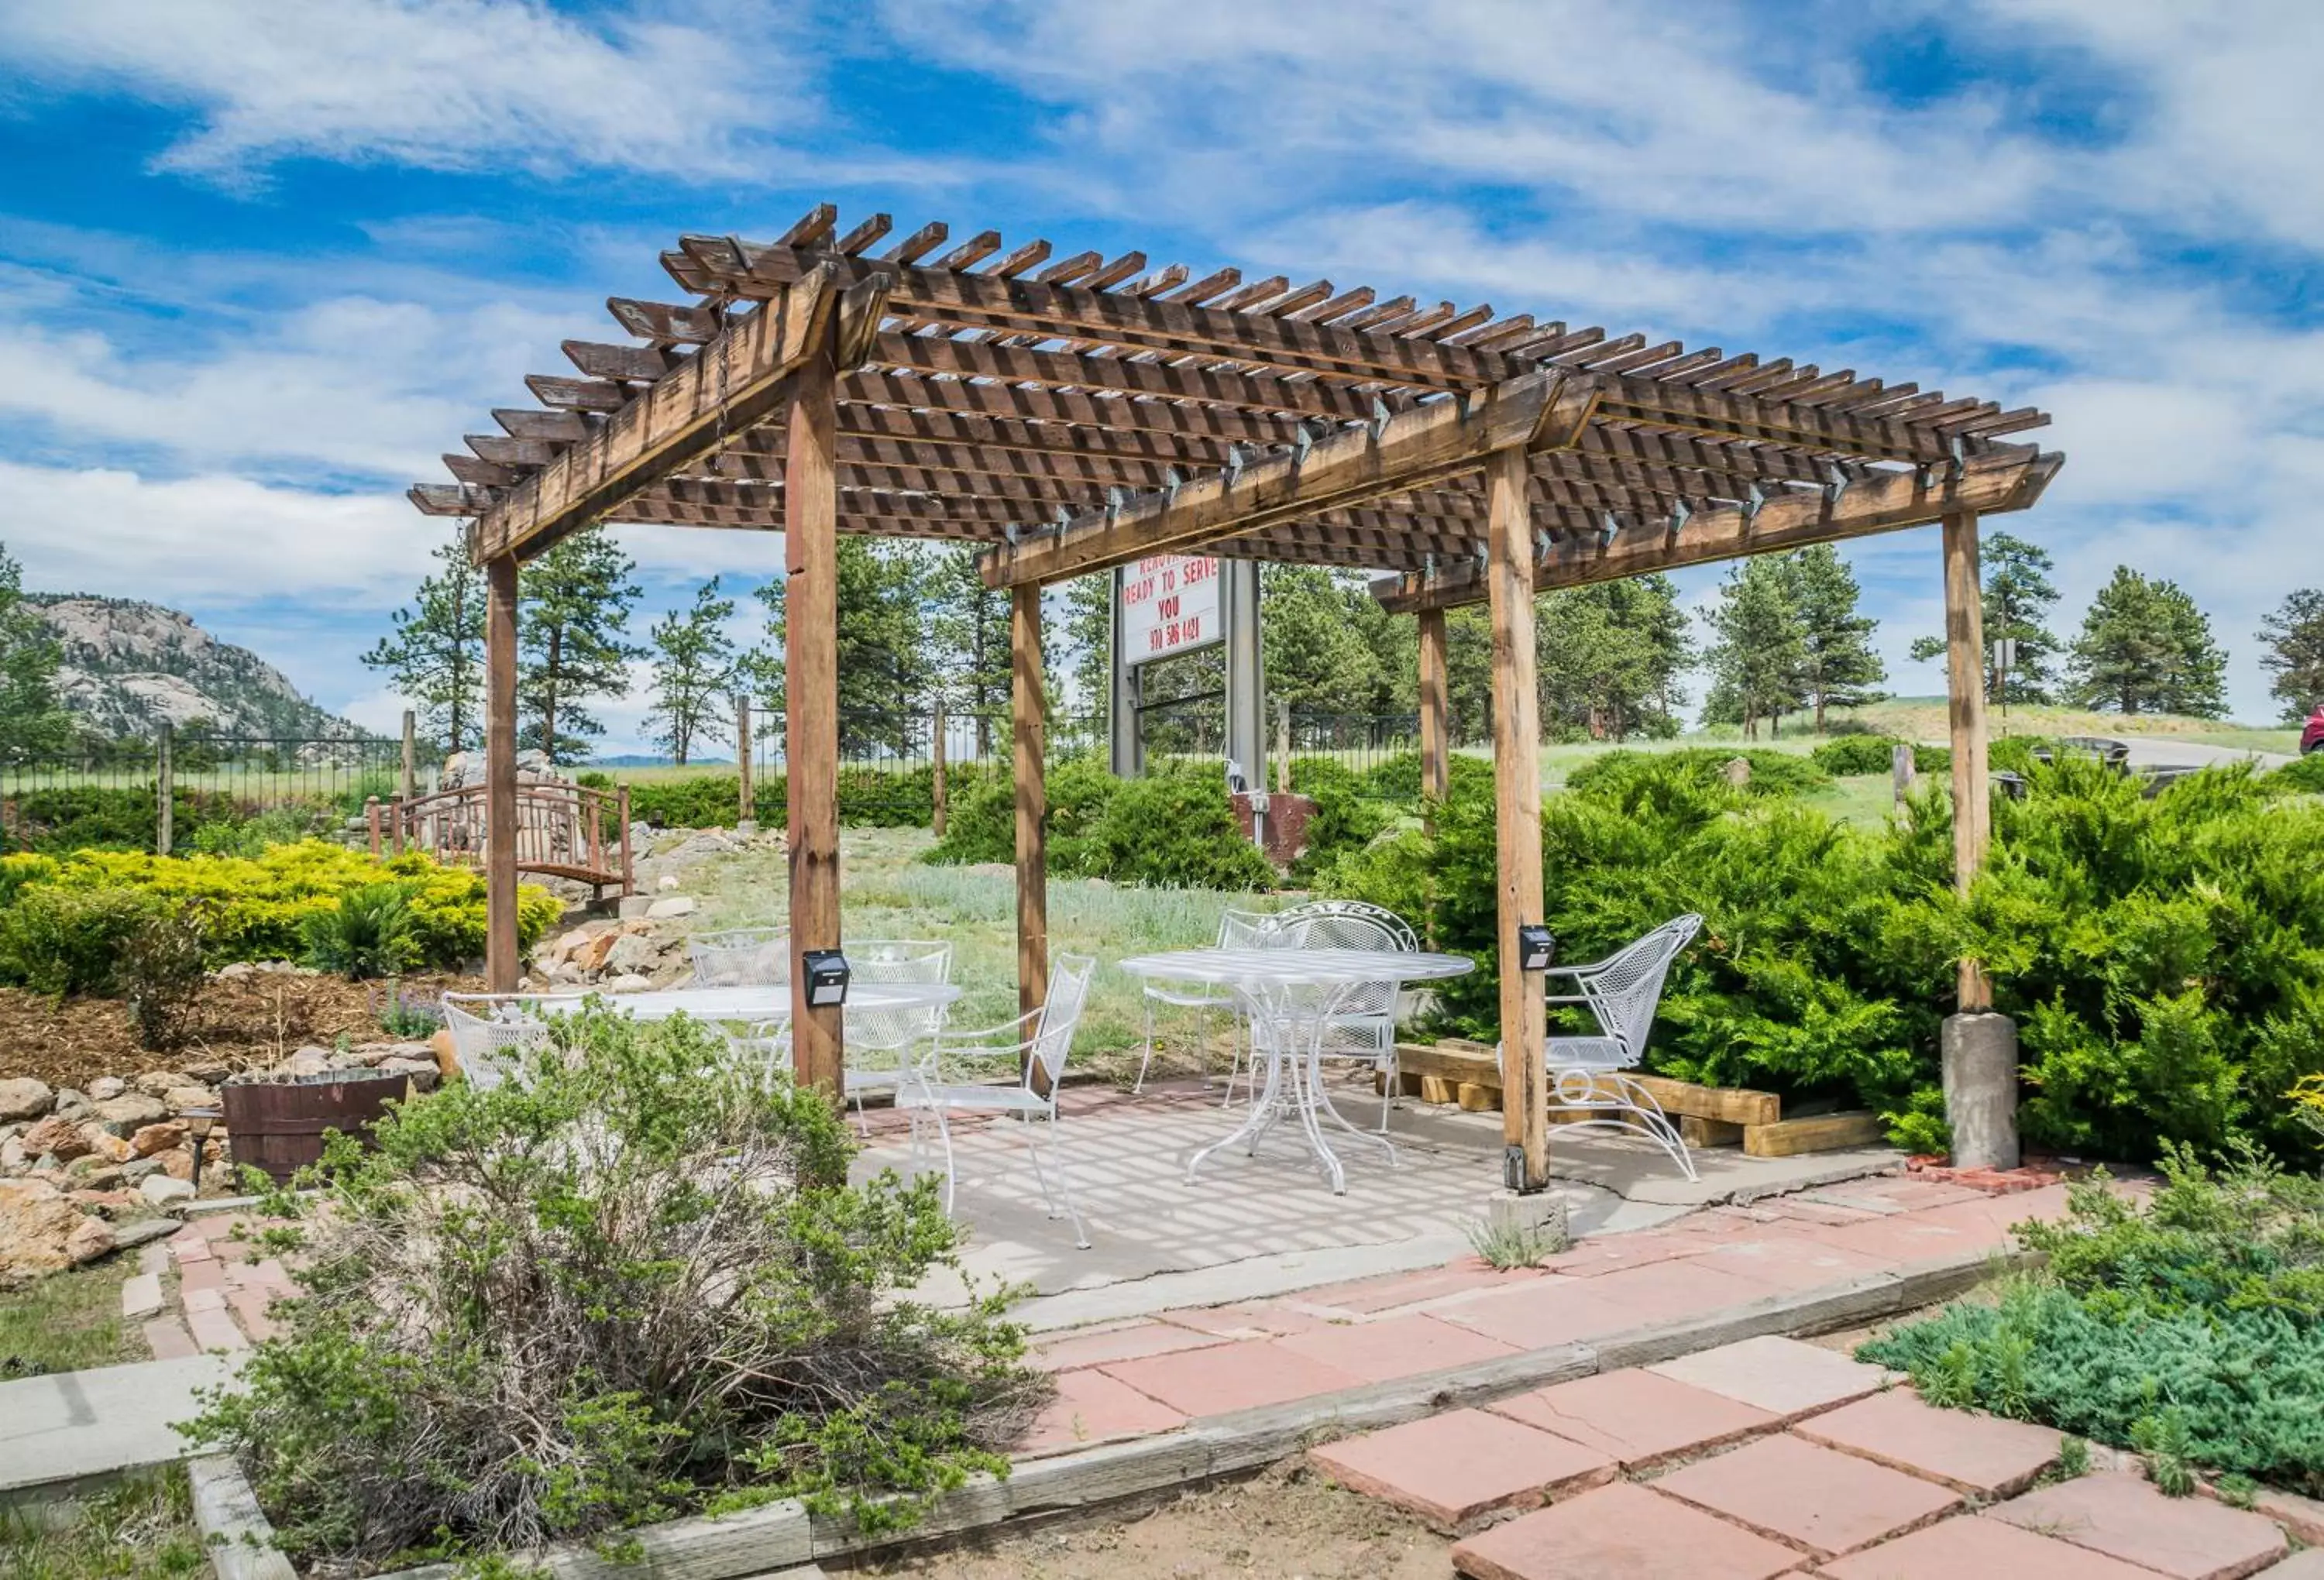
(1069, 415)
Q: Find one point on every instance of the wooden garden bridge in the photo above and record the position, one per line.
(560, 830)
(1073, 413)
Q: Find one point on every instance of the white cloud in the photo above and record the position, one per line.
(453, 85)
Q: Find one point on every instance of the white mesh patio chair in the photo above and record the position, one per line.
(1594, 1073)
(765, 1051)
(1022, 1066)
(883, 1044)
(493, 1033)
(1237, 929)
(1363, 1025)
(741, 957)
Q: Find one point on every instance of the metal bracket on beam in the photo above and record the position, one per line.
(1009, 530)
(1170, 482)
(1679, 511)
(1608, 528)
(1064, 520)
(1752, 501)
(1541, 543)
(1380, 414)
(1302, 441)
(1836, 481)
(1235, 465)
(1960, 448)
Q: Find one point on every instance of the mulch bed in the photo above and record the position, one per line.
(238, 1022)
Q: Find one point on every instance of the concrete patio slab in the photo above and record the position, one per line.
(1786, 1377)
(1458, 1470)
(1978, 1454)
(2123, 1517)
(1951, 1549)
(1638, 1417)
(1825, 1501)
(1621, 1530)
(72, 1424)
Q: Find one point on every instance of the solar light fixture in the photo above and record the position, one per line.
(827, 971)
(198, 1121)
(1535, 946)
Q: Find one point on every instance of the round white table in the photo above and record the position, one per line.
(772, 1002)
(1292, 995)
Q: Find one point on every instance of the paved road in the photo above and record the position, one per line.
(2153, 751)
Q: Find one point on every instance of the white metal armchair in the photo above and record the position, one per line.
(1237, 929)
(1592, 1073)
(1032, 1048)
(493, 1033)
(741, 957)
(1363, 1026)
(883, 1044)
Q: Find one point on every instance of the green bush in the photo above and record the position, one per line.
(2192, 1330)
(367, 934)
(1858, 753)
(2013, 753)
(2304, 773)
(1772, 773)
(524, 1318)
(160, 972)
(91, 817)
(2164, 959)
(1174, 828)
(69, 940)
(1351, 812)
(870, 796)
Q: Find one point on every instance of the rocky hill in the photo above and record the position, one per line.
(130, 665)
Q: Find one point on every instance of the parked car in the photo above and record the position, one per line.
(2312, 735)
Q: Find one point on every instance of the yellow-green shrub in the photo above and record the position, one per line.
(258, 906)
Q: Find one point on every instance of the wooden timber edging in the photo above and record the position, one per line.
(236, 1536)
(1083, 1480)
(1464, 1073)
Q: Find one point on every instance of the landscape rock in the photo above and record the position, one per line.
(176, 1163)
(23, 1097)
(89, 1239)
(37, 1223)
(131, 1110)
(107, 1087)
(142, 1231)
(208, 1074)
(93, 1173)
(136, 1169)
(422, 1072)
(227, 973)
(628, 982)
(108, 1201)
(675, 906)
(157, 1138)
(180, 1099)
(104, 1144)
(56, 1136)
(630, 906)
(161, 1083)
(71, 1104)
(667, 881)
(591, 956)
(632, 952)
(308, 1061)
(161, 1189)
(12, 1156)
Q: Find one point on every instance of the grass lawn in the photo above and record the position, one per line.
(139, 1529)
(65, 1322)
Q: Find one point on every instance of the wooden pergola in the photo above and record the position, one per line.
(1073, 414)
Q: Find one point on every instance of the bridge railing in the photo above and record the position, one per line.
(568, 830)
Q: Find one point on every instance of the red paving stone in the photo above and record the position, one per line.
(1620, 1532)
(204, 1275)
(1366, 1296)
(1119, 1342)
(1457, 1470)
(214, 1330)
(250, 1309)
(1229, 1377)
(167, 1338)
(1394, 1347)
(1825, 1501)
(1091, 1407)
(1667, 1292)
(1952, 1549)
(209, 1300)
(2303, 1517)
(2193, 1539)
(1781, 1376)
(1791, 1262)
(1616, 1252)
(2305, 1564)
(1977, 1454)
(1908, 1238)
(1639, 1418)
(1258, 1319)
(1536, 1315)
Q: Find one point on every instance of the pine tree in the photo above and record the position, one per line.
(694, 666)
(1759, 661)
(1084, 649)
(1607, 657)
(32, 722)
(1839, 668)
(885, 671)
(435, 656)
(573, 612)
(968, 632)
(2146, 648)
(1313, 655)
(2016, 597)
(2294, 639)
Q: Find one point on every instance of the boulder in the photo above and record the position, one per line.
(208, 1075)
(180, 1099)
(632, 953)
(591, 955)
(628, 982)
(37, 1223)
(227, 973)
(161, 1189)
(93, 1173)
(176, 1163)
(136, 1169)
(89, 1239)
(71, 1104)
(422, 1072)
(675, 906)
(310, 1062)
(56, 1136)
(14, 1160)
(23, 1097)
(104, 1144)
(161, 1083)
(131, 1110)
(107, 1087)
(155, 1138)
(140, 1231)
(632, 905)
(447, 1054)
(668, 880)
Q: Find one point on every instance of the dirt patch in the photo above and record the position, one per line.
(1282, 1523)
(238, 1022)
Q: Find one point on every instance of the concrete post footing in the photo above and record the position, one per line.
(1981, 1066)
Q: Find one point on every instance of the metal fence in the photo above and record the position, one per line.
(1360, 743)
(111, 793)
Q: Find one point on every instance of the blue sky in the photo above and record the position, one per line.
(260, 260)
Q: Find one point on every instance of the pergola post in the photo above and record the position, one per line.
(1435, 741)
(1979, 1047)
(1516, 805)
(501, 962)
(811, 711)
(1025, 724)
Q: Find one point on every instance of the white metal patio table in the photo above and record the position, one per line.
(772, 1001)
(1292, 995)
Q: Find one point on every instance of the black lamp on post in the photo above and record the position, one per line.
(826, 972)
(1536, 947)
(199, 1124)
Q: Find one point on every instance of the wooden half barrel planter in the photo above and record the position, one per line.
(277, 1122)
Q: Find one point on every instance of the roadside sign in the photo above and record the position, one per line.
(1169, 604)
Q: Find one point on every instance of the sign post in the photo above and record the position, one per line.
(1169, 604)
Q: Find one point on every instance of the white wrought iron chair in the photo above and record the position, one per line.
(1594, 1073)
(768, 1046)
(492, 1034)
(741, 957)
(1237, 929)
(890, 1036)
(1363, 1025)
(1032, 1048)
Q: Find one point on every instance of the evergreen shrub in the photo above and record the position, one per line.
(1772, 773)
(2192, 1331)
(1173, 828)
(632, 1286)
(1857, 754)
(2304, 773)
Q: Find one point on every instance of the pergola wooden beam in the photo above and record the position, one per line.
(1883, 502)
